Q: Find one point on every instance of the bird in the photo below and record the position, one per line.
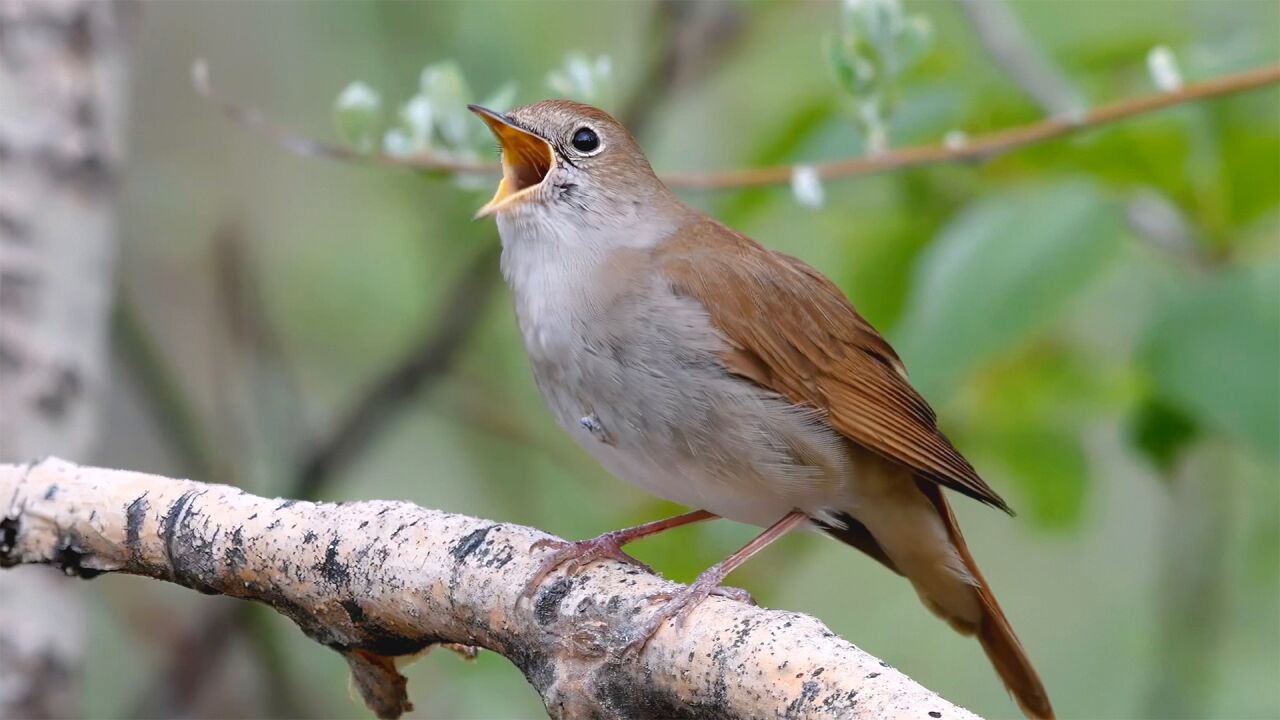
(693, 362)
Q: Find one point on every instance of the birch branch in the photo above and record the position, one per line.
(377, 581)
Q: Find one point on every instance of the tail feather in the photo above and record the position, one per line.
(909, 527)
(993, 631)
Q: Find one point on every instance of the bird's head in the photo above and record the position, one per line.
(570, 161)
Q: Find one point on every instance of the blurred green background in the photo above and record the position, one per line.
(1096, 320)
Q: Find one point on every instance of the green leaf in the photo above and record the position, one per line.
(357, 113)
(1025, 416)
(1162, 432)
(915, 40)
(1000, 271)
(1215, 352)
(582, 78)
(446, 91)
(417, 122)
(1050, 468)
(874, 21)
(842, 63)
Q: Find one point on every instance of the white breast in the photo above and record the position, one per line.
(643, 363)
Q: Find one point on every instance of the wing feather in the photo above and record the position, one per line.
(792, 331)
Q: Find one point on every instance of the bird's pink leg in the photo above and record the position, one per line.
(683, 601)
(609, 545)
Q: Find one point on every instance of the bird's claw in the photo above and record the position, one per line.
(733, 593)
(576, 556)
(678, 605)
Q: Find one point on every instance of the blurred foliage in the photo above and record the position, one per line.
(584, 79)
(1001, 270)
(878, 43)
(1085, 314)
(1214, 351)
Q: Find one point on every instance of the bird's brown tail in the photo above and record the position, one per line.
(994, 632)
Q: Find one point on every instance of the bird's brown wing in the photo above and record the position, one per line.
(792, 331)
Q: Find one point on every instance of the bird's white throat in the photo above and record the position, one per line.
(562, 267)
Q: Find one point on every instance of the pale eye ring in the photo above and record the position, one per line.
(585, 141)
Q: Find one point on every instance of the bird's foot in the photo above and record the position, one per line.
(677, 605)
(579, 554)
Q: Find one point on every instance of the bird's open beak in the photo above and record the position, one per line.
(526, 160)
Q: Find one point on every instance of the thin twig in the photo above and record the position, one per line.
(987, 146)
(159, 389)
(257, 348)
(300, 144)
(978, 148)
(426, 362)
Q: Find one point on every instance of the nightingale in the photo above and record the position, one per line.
(694, 363)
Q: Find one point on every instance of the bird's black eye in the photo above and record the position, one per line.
(585, 140)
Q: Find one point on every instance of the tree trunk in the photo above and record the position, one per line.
(62, 100)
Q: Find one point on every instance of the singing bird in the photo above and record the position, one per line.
(700, 366)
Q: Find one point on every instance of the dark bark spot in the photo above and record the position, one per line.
(403, 527)
(88, 171)
(873, 676)
(8, 539)
(308, 538)
(234, 554)
(935, 714)
(742, 633)
(286, 504)
(470, 543)
(64, 390)
(80, 33)
(332, 569)
(840, 704)
(547, 607)
(69, 558)
(384, 641)
(354, 611)
(500, 557)
(135, 515)
(808, 693)
(626, 693)
(536, 666)
(371, 637)
(189, 554)
(51, 493)
(169, 524)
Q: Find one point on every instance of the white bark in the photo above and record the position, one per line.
(379, 580)
(62, 98)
